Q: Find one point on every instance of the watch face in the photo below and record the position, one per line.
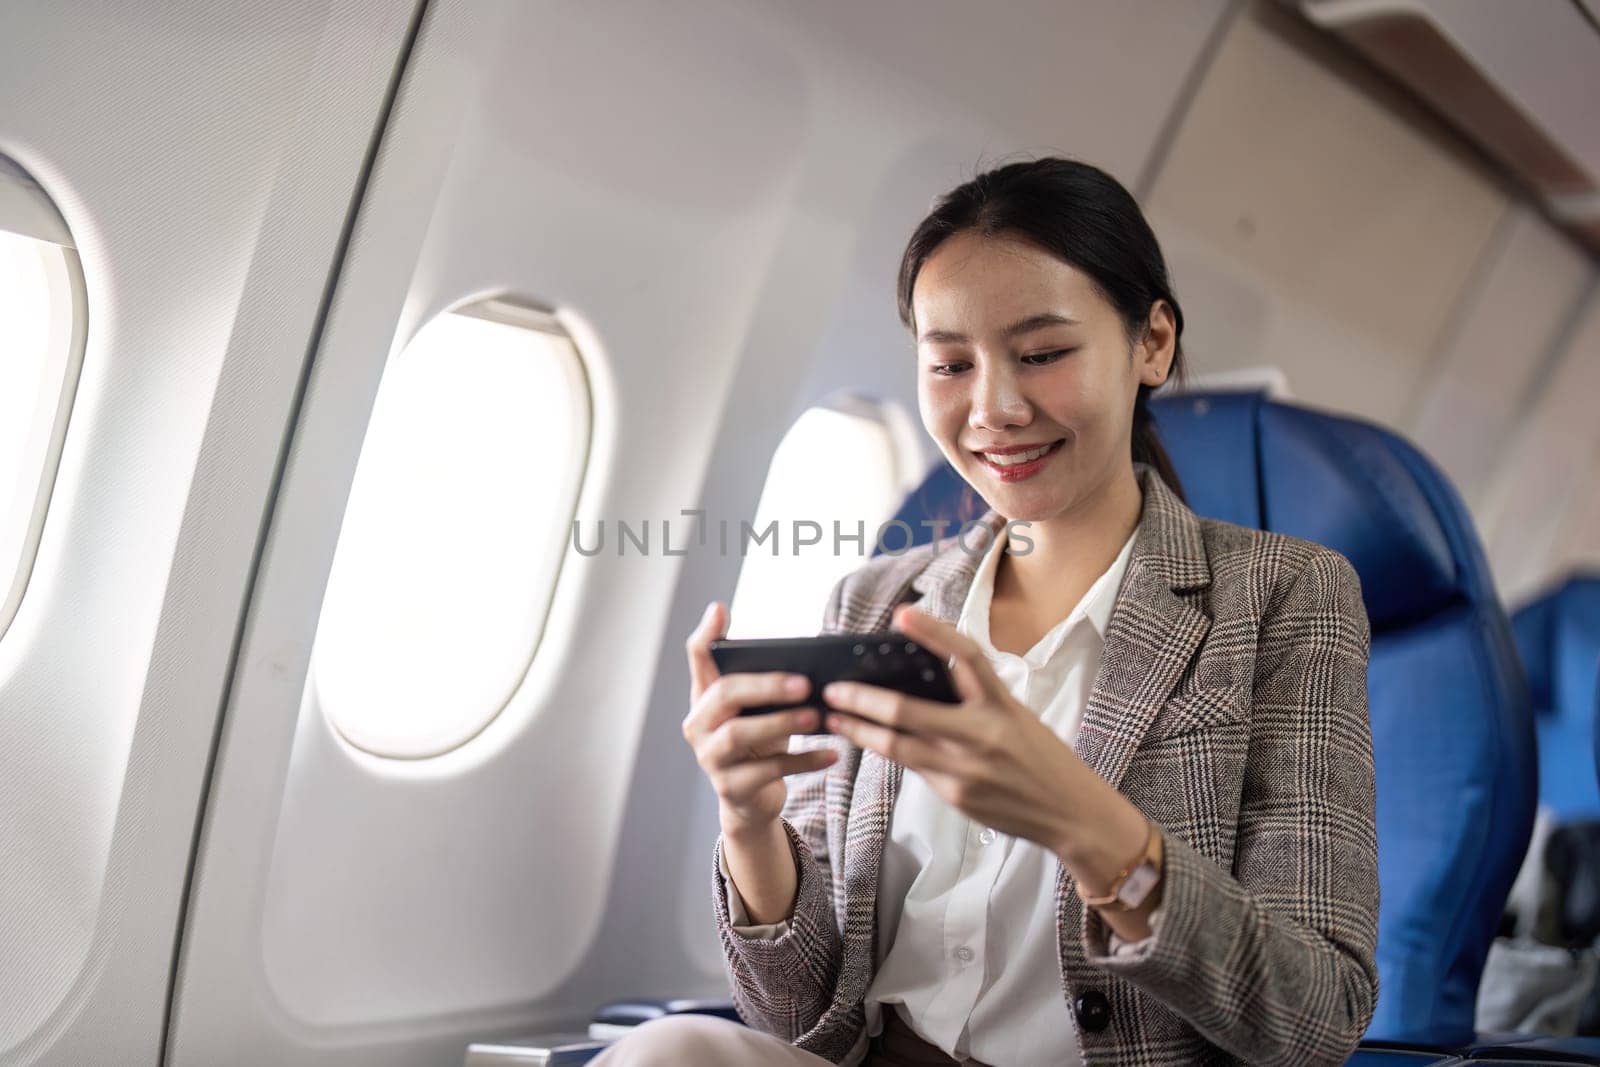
(1138, 884)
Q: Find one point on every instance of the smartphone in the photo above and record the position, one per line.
(888, 659)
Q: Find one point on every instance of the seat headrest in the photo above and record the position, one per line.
(1344, 483)
(1558, 636)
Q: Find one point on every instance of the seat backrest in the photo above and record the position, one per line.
(1558, 636)
(1451, 722)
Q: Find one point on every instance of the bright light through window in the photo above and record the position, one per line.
(456, 527)
(852, 463)
(41, 346)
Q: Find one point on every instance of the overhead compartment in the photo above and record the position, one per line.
(1521, 81)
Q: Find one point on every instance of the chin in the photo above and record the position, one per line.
(1030, 513)
(1023, 504)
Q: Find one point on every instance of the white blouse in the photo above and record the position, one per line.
(966, 915)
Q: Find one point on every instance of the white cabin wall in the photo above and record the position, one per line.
(205, 156)
(1354, 230)
(1578, 539)
(1513, 316)
(1545, 485)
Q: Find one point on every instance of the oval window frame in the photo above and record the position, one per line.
(525, 314)
(907, 468)
(28, 211)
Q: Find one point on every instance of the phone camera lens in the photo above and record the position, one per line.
(911, 648)
(927, 674)
(859, 650)
(885, 648)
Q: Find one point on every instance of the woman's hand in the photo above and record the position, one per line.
(993, 759)
(746, 757)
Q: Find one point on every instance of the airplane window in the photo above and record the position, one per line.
(846, 465)
(43, 325)
(456, 528)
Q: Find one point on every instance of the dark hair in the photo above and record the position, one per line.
(1083, 216)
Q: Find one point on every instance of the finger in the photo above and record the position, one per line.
(736, 740)
(896, 710)
(748, 777)
(970, 684)
(952, 789)
(955, 648)
(702, 668)
(908, 750)
(936, 634)
(730, 694)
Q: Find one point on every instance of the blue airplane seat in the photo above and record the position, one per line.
(1558, 636)
(1451, 719)
(1451, 723)
(942, 499)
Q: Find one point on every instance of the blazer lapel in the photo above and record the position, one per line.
(1152, 635)
(942, 585)
(1149, 643)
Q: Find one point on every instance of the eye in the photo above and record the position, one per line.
(945, 370)
(1040, 359)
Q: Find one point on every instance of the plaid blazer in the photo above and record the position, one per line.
(1231, 708)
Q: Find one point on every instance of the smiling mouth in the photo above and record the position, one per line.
(1017, 459)
(1015, 466)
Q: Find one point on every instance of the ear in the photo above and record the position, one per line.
(1155, 351)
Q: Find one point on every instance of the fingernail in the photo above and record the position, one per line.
(833, 691)
(796, 687)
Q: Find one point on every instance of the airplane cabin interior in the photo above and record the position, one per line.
(387, 386)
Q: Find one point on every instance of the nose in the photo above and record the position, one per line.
(997, 399)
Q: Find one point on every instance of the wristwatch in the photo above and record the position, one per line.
(1135, 881)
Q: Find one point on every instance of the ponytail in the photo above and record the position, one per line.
(1147, 446)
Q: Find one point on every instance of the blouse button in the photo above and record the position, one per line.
(964, 954)
(986, 836)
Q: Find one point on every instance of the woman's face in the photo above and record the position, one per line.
(1025, 374)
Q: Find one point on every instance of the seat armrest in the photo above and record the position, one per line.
(1541, 1050)
(555, 1049)
(613, 1020)
(1485, 1048)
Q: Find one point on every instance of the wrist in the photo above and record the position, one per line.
(1082, 809)
(1138, 882)
(744, 833)
(1097, 849)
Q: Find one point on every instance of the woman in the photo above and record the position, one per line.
(1146, 835)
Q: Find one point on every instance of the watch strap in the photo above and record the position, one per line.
(1135, 881)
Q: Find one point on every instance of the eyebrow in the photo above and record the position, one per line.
(1027, 325)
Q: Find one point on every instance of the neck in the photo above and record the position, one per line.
(1078, 545)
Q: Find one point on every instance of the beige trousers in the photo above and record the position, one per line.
(678, 1040)
(712, 1042)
